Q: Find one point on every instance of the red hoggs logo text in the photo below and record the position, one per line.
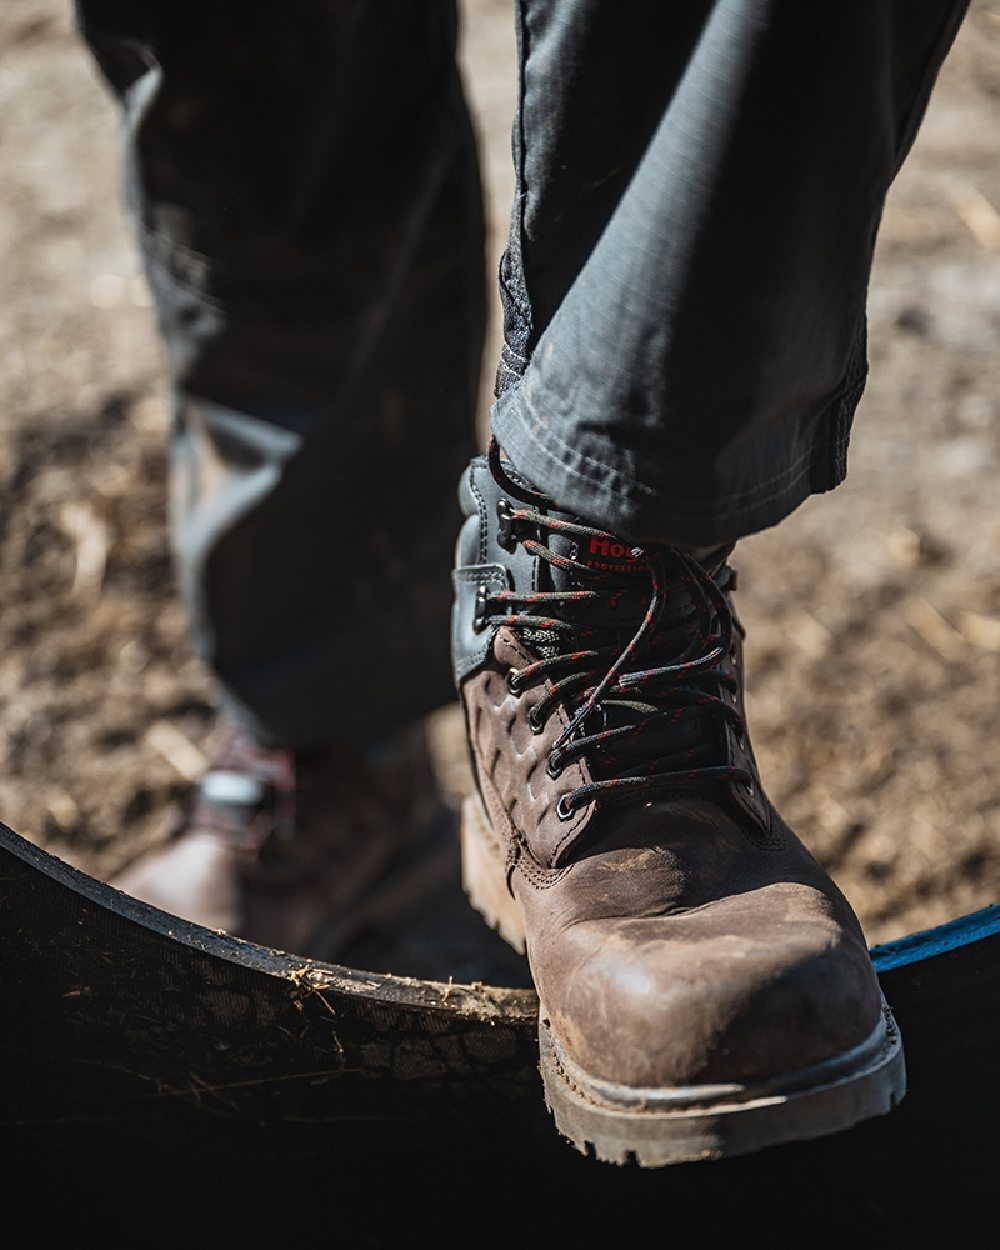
(613, 557)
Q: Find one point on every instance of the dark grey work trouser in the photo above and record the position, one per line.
(699, 185)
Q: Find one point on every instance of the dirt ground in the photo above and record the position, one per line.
(873, 612)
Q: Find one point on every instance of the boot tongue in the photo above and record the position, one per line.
(621, 572)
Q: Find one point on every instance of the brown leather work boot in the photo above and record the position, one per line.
(292, 850)
(705, 989)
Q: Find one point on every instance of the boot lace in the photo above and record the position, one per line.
(591, 677)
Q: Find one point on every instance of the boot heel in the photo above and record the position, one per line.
(484, 878)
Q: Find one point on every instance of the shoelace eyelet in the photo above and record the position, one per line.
(513, 685)
(712, 651)
(479, 619)
(552, 767)
(505, 531)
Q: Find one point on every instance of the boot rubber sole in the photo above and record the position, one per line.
(656, 1126)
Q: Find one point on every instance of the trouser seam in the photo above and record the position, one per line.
(519, 289)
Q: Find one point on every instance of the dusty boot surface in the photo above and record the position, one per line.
(705, 987)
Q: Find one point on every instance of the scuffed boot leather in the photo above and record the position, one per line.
(705, 989)
(288, 849)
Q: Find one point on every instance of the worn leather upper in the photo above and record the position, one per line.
(675, 939)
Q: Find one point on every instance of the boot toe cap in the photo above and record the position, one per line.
(671, 1001)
